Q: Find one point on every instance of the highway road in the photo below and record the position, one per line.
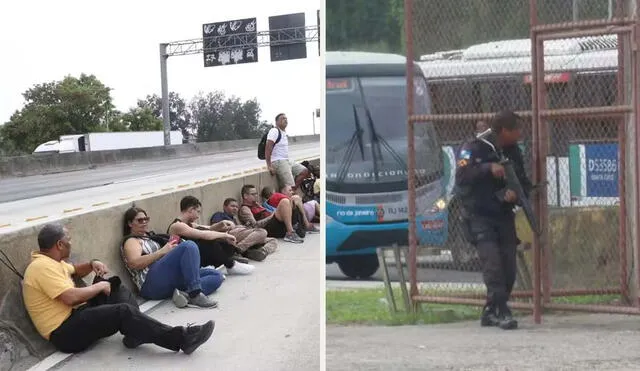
(439, 274)
(52, 194)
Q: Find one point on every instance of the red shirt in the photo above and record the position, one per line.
(275, 199)
(259, 212)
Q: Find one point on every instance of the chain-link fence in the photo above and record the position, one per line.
(562, 66)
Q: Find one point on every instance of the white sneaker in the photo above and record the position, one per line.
(241, 269)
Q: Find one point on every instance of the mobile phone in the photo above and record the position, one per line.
(174, 239)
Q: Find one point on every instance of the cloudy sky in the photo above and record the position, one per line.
(118, 42)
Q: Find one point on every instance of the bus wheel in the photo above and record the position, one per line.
(358, 266)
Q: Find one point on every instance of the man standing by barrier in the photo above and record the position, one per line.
(277, 156)
(488, 210)
(62, 315)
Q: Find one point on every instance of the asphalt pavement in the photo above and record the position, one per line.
(267, 321)
(437, 271)
(571, 342)
(54, 194)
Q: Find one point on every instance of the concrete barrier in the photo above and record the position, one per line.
(95, 235)
(38, 164)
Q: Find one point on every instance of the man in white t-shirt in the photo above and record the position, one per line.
(277, 156)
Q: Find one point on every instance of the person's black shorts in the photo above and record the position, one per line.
(275, 228)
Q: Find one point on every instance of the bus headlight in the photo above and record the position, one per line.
(439, 205)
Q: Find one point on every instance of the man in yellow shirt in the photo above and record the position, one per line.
(61, 314)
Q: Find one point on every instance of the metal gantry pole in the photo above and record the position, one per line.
(165, 94)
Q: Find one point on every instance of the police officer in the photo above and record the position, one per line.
(488, 211)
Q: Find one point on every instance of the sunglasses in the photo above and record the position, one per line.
(142, 220)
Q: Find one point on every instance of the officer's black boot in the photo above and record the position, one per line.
(489, 317)
(506, 320)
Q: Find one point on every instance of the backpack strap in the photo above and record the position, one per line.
(279, 136)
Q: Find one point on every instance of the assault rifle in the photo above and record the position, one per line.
(513, 183)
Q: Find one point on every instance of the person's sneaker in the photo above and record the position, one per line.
(241, 269)
(293, 238)
(489, 318)
(202, 301)
(240, 258)
(194, 336)
(256, 254)
(313, 229)
(301, 231)
(180, 299)
(507, 322)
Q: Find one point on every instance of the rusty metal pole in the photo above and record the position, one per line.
(537, 299)
(411, 163)
(635, 81)
(622, 163)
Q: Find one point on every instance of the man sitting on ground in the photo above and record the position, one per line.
(307, 209)
(252, 242)
(278, 224)
(216, 248)
(61, 314)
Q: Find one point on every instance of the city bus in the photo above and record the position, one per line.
(493, 76)
(366, 156)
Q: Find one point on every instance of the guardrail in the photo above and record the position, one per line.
(38, 164)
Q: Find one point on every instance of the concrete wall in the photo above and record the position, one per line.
(95, 235)
(54, 162)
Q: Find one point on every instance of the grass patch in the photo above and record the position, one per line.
(588, 299)
(369, 307)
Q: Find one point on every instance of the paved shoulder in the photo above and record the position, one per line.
(576, 342)
(267, 321)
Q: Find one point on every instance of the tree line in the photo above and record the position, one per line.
(378, 25)
(77, 105)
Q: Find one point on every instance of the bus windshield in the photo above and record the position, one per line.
(379, 140)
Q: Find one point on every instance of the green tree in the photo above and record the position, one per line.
(179, 115)
(378, 25)
(220, 118)
(136, 119)
(70, 106)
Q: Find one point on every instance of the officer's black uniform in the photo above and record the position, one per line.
(490, 221)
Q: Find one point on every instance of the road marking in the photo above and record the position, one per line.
(200, 182)
(166, 189)
(236, 174)
(100, 203)
(36, 218)
(183, 185)
(125, 198)
(212, 179)
(5, 225)
(71, 210)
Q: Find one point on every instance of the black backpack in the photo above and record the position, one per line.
(263, 143)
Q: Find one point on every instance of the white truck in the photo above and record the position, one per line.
(108, 141)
